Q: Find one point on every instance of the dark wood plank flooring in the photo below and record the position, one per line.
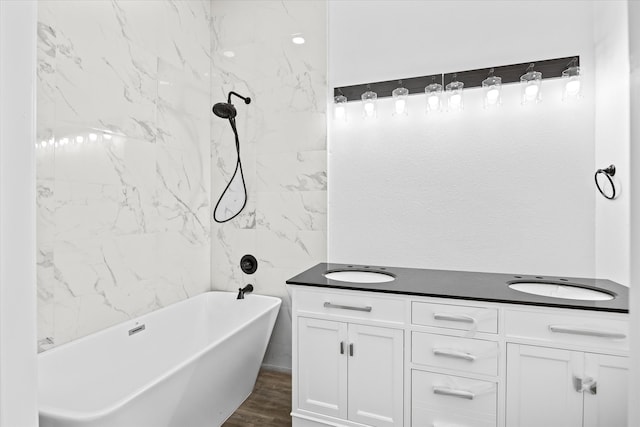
(268, 406)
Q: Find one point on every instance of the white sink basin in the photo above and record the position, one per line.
(555, 290)
(354, 276)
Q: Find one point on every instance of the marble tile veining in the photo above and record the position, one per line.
(283, 140)
(124, 188)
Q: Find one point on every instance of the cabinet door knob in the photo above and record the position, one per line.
(587, 384)
(341, 347)
(351, 349)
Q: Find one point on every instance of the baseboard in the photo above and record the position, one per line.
(275, 368)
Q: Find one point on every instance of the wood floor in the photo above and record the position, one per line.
(268, 406)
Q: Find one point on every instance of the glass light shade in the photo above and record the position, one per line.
(455, 101)
(434, 97)
(492, 89)
(369, 104)
(400, 96)
(340, 108)
(573, 84)
(531, 83)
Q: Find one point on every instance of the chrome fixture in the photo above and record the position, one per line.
(492, 88)
(573, 83)
(531, 83)
(455, 102)
(400, 96)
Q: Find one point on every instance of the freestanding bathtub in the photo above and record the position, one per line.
(187, 365)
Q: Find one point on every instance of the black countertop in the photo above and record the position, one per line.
(467, 285)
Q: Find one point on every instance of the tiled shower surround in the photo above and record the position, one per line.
(283, 139)
(130, 159)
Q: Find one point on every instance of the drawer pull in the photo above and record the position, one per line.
(347, 307)
(454, 317)
(446, 391)
(586, 331)
(455, 354)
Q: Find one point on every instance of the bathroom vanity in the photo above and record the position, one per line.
(443, 348)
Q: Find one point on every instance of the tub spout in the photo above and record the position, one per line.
(245, 290)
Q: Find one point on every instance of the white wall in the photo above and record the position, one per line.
(611, 38)
(634, 190)
(18, 369)
(508, 190)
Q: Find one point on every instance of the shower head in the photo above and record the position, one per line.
(224, 110)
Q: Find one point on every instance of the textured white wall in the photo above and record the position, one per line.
(18, 364)
(634, 48)
(508, 190)
(612, 137)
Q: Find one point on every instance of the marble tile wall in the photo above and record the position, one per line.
(283, 140)
(123, 160)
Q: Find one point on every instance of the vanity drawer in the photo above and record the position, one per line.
(448, 393)
(592, 330)
(477, 319)
(355, 305)
(425, 417)
(461, 354)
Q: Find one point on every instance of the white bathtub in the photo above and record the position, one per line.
(192, 365)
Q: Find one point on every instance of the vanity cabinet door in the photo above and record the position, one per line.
(375, 375)
(605, 404)
(541, 387)
(322, 367)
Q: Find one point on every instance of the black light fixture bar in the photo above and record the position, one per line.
(384, 89)
(550, 68)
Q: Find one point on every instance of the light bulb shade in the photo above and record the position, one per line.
(434, 97)
(455, 101)
(492, 90)
(340, 107)
(531, 83)
(572, 84)
(369, 104)
(400, 96)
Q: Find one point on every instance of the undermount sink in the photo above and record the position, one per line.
(358, 276)
(556, 290)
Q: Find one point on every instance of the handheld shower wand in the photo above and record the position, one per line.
(226, 110)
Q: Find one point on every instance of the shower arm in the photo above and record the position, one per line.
(246, 100)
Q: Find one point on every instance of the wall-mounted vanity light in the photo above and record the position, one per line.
(369, 103)
(455, 102)
(400, 95)
(433, 93)
(573, 84)
(340, 107)
(531, 83)
(492, 90)
(491, 80)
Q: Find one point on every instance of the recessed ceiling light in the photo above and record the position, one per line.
(297, 40)
(229, 53)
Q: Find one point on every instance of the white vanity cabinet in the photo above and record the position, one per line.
(574, 375)
(375, 359)
(348, 367)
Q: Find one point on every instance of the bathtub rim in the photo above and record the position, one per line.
(276, 303)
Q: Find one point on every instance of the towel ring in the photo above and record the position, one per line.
(608, 172)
